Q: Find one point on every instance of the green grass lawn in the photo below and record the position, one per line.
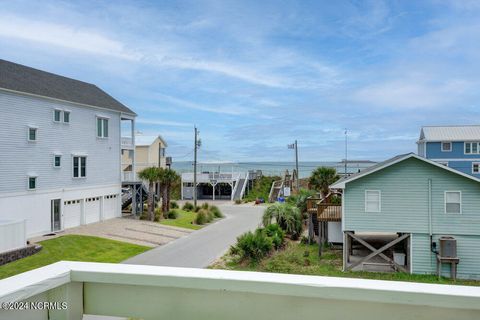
(185, 220)
(298, 258)
(73, 248)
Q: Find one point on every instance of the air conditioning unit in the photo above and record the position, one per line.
(448, 247)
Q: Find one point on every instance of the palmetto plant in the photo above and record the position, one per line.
(322, 178)
(288, 217)
(150, 174)
(167, 178)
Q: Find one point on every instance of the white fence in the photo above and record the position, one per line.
(13, 235)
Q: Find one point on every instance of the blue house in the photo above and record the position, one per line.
(457, 147)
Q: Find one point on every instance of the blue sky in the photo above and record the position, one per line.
(255, 75)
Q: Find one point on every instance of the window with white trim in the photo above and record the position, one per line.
(102, 127)
(79, 166)
(472, 148)
(446, 146)
(57, 115)
(32, 134)
(32, 183)
(372, 201)
(57, 161)
(475, 167)
(453, 202)
(66, 116)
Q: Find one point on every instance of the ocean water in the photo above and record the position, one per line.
(305, 168)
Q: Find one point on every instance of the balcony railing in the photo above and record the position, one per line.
(128, 176)
(150, 292)
(127, 143)
(324, 211)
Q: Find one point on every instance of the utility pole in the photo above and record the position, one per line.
(296, 166)
(195, 146)
(345, 152)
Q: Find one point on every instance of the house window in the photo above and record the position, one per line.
(102, 127)
(32, 134)
(476, 167)
(57, 161)
(66, 116)
(472, 148)
(57, 114)
(453, 202)
(32, 183)
(79, 166)
(372, 201)
(446, 146)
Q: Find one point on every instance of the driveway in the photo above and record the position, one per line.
(201, 248)
(146, 233)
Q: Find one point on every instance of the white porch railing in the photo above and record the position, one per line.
(127, 143)
(129, 176)
(150, 292)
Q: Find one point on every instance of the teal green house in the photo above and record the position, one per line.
(419, 200)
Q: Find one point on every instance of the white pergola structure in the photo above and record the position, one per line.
(150, 292)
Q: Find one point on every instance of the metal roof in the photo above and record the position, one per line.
(340, 184)
(20, 78)
(450, 133)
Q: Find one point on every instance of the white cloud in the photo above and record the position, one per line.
(79, 39)
(163, 122)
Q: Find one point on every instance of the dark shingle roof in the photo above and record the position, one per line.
(21, 78)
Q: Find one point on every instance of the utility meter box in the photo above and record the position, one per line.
(448, 247)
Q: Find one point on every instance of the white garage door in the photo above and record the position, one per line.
(72, 213)
(92, 210)
(110, 206)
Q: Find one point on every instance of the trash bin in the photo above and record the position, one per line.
(281, 199)
(399, 258)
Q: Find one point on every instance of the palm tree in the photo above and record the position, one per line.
(167, 178)
(322, 178)
(288, 217)
(150, 174)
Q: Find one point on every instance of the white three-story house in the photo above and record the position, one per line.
(60, 150)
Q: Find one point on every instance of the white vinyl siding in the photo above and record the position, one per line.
(373, 201)
(25, 156)
(453, 202)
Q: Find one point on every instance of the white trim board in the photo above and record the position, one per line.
(341, 183)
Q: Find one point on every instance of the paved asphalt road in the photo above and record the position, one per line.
(200, 248)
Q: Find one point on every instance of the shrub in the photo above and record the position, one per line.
(253, 246)
(172, 214)
(286, 216)
(158, 214)
(276, 233)
(174, 205)
(205, 206)
(238, 201)
(216, 212)
(188, 206)
(197, 209)
(201, 218)
(210, 215)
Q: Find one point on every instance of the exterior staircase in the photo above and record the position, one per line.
(239, 189)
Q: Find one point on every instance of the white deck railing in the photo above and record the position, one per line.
(126, 142)
(150, 292)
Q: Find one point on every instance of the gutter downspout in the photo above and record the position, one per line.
(433, 245)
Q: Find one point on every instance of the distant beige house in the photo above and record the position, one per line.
(149, 152)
